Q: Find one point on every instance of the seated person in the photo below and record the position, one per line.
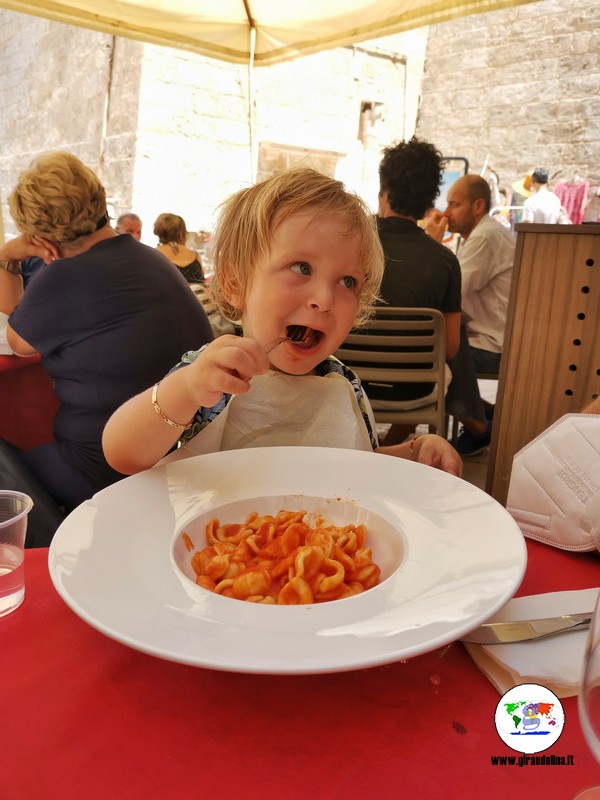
(298, 260)
(172, 235)
(486, 258)
(101, 317)
(419, 271)
(130, 223)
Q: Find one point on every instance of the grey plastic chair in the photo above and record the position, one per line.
(399, 346)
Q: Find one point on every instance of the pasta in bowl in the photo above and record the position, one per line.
(450, 557)
(303, 550)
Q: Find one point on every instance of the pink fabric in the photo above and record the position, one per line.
(573, 197)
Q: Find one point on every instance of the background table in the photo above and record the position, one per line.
(86, 717)
(27, 402)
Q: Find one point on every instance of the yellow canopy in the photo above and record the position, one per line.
(254, 31)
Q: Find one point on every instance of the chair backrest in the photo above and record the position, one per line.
(218, 323)
(204, 298)
(402, 346)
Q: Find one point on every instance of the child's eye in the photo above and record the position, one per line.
(349, 282)
(301, 268)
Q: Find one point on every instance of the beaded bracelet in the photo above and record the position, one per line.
(162, 414)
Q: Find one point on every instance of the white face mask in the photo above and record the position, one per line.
(554, 492)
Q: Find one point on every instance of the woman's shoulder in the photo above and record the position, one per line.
(182, 257)
(190, 256)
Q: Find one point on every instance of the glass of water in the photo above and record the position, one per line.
(14, 508)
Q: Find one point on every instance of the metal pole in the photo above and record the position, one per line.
(251, 108)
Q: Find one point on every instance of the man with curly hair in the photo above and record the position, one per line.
(419, 271)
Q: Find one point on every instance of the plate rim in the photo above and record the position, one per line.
(211, 661)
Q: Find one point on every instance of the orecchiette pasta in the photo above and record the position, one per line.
(281, 560)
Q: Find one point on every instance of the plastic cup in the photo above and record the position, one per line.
(14, 507)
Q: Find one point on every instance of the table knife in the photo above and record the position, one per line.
(527, 630)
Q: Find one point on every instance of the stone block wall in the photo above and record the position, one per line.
(169, 130)
(67, 88)
(194, 142)
(519, 88)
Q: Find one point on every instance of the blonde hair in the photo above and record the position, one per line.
(170, 228)
(58, 198)
(242, 236)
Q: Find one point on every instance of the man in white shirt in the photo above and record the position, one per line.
(486, 258)
(543, 206)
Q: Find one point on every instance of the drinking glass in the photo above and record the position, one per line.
(14, 507)
(589, 694)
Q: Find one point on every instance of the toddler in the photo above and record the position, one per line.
(298, 260)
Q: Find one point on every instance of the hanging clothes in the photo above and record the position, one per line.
(573, 197)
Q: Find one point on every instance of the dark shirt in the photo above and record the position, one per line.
(30, 267)
(108, 324)
(192, 272)
(420, 273)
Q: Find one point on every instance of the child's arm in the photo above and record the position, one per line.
(137, 436)
(430, 449)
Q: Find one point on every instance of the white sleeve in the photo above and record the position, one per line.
(527, 214)
(5, 349)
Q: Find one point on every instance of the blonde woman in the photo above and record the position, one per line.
(172, 235)
(100, 315)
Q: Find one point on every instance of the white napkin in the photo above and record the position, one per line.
(555, 663)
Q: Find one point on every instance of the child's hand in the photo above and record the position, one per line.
(435, 451)
(225, 366)
(429, 449)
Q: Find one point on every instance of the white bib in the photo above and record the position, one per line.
(280, 410)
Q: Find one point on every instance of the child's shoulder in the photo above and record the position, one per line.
(334, 365)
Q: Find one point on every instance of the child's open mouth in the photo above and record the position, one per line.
(304, 336)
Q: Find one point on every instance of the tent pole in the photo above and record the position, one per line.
(251, 108)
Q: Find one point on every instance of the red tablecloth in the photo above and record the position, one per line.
(27, 402)
(86, 717)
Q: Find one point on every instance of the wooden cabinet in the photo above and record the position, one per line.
(551, 360)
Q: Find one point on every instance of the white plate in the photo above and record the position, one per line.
(451, 556)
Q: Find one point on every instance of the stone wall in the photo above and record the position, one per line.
(519, 88)
(55, 87)
(169, 130)
(200, 137)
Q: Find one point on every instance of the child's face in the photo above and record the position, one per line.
(312, 278)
